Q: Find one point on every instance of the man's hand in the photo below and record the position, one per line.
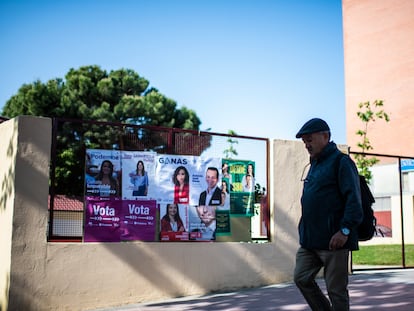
(337, 241)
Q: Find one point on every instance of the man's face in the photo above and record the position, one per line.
(315, 143)
(206, 213)
(211, 178)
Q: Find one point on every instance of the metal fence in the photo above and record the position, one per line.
(392, 185)
(71, 138)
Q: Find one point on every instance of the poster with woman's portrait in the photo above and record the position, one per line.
(173, 179)
(103, 173)
(174, 222)
(138, 178)
(181, 179)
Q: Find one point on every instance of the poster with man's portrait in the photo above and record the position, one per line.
(240, 175)
(181, 179)
(202, 222)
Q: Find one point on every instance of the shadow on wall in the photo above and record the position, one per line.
(233, 260)
(19, 297)
(7, 178)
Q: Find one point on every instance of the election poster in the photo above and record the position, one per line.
(138, 220)
(223, 222)
(240, 175)
(138, 178)
(103, 173)
(115, 220)
(202, 222)
(174, 174)
(174, 222)
(102, 220)
(181, 179)
(124, 190)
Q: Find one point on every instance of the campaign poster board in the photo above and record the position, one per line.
(193, 169)
(114, 212)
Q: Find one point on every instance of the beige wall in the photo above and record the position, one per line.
(379, 64)
(8, 134)
(78, 276)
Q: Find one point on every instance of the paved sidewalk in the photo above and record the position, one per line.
(374, 290)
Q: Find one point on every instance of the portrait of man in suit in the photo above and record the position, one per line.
(206, 210)
(211, 196)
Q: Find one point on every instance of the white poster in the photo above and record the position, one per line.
(138, 177)
(181, 179)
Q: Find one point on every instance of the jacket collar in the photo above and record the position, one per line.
(327, 151)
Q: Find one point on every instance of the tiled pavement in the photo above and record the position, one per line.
(373, 290)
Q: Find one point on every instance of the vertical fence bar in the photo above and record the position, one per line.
(267, 219)
(402, 214)
(52, 177)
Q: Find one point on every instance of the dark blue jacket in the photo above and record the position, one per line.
(330, 200)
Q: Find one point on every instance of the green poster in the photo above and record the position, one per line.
(240, 176)
(223, 222)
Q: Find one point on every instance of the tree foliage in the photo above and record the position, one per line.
(231, 150)
(90, 93)
(367, 113)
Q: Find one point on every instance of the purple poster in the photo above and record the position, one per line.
(102, 220)
(114, 220)
(138, 220)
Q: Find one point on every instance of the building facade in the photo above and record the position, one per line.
(379, 64)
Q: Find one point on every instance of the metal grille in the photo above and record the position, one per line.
(70, 139)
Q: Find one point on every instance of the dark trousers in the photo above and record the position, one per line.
(140, 191)
(335, 264)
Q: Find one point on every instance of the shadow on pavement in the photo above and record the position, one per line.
(374, 290)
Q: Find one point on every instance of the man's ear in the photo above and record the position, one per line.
(326, 136)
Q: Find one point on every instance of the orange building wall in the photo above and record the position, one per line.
(379, 64)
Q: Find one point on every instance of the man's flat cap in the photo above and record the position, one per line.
(313, 126)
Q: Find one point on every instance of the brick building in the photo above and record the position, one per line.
(379, 64)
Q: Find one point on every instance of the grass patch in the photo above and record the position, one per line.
(388, 255)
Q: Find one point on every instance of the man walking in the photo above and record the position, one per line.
(331, 212)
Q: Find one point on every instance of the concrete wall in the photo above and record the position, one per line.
(37, 275)
(8, 134)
